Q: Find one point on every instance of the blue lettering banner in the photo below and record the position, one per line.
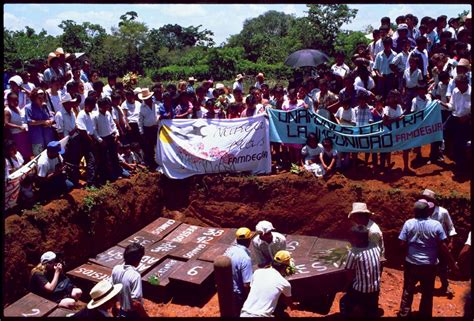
(415, 129)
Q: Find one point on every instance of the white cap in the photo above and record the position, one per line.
(219, 86)
(48, 257)
(17, 80)
(264, 227)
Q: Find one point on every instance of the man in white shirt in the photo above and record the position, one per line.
(131, 297)
(360, 215)
(460, 126)
(82, 145)
(340, 68)
(260, 80)
(148, 126)
(131, 109)
(267, 286)
(420, 50)
(65, 118)
(109, 88)
(441, 215)
(384, 68)
(108, 136)
(239, 82)
(267, 243)
(51, 174)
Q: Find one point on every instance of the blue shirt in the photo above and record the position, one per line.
(353, 96)
(422, 236)
(162, 111)
(241, 267)
(39, 134)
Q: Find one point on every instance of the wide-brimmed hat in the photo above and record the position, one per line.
(67, 98)
(429, 194)
(16, 79)
(103, 292)
(282, 257)
(137, 90)
(239, 76)
(260, 74)
(463, 62)
(244, 233)
(423, 204)
(51, 56)
(191, 79)
(145, 94)
(59, 51)
(359, 207)
(48, 257)
(220, 86)
(55, 147)
(264, 227)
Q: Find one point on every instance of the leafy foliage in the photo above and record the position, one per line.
(173, 52)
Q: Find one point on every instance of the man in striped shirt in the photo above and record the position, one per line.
(364, 262)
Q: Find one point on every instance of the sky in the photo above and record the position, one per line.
(222, 19)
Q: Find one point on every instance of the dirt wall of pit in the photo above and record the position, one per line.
(87, 223)
(79, 226)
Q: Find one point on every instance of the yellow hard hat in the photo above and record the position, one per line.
(283, 257)
(244, 233)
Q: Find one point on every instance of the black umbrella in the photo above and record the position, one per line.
(306, 58)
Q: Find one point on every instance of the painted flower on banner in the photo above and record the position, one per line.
(226, 158)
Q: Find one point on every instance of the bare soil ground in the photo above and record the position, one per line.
(295, 204)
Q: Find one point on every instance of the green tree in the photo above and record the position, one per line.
(320, 28)
(20, 47)
(178, 37)
(347, 42)
(266, 38)
(86, 37)
(132, 35)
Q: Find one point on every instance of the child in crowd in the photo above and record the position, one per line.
(328, 158)
(130, 158)
(363, 117)
(293, 103)
(377, 115)
(418, 103)
(392, 113)
(310, 153)
(138, 152)
(26, 197)
(411, 78)
(345, 116)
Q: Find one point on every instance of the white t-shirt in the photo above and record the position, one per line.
(370, 83)
(418, 104)
(47, 165)
(16, 161)
(264, 252)
(341, 70)
(468, 241)
(393, 113)
(55, 101)
(346, 116)
(375, 236)
(311, 153)
(133, 110)
(265, 289)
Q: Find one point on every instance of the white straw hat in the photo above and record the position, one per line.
(103, 292)
(359, 207)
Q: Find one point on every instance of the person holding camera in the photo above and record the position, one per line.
(49, 281)
(51, 172)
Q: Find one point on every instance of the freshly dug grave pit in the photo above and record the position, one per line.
(87, 222)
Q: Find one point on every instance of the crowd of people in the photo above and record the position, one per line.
(112, 127)
(259, 280)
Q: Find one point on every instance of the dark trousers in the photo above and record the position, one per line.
(442, 271)
(133, 135)
(237, 304)
(77, 147)
(461, 131)
(367, 302)
(149, 144)
(54, 186)
(109, 165)
(426, 275)
(385, 84)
